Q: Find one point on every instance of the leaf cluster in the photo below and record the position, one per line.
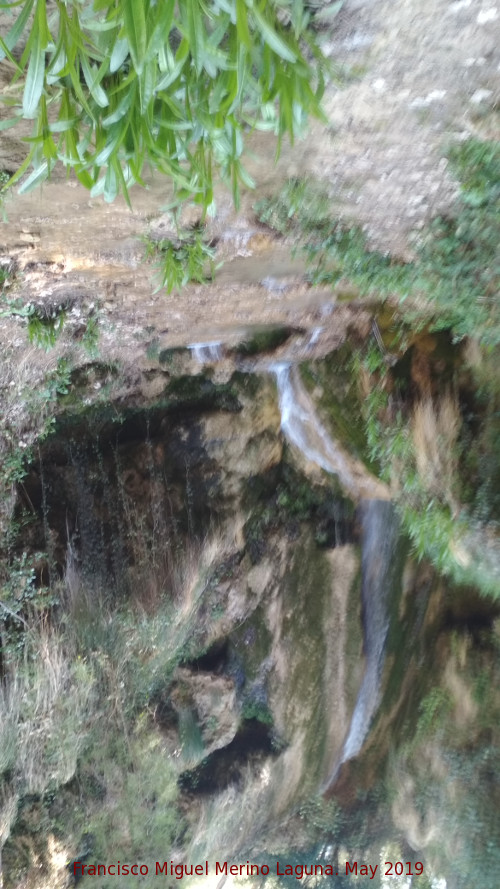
(115, 85)
(189, 258)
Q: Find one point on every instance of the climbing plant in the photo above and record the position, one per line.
(113, 86)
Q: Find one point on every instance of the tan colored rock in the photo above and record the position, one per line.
(214, 699)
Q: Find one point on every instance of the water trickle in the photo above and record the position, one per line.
(379, 539)
(379, 526)
(206, 353)
(302, 428)
(315, 335)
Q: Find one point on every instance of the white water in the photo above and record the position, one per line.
(303, 429)
(315, 335)
(206, 353)
(379, 537)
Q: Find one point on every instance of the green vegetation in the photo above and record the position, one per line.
(189, 259)
(301, 204)
(39, 405)
(334, 249)
(424, 450)
(43, 328)
(417, 449)
(460, 255)
(265, 339)
(457, 270)
(77, 714)
(113, 87)
(283, 499)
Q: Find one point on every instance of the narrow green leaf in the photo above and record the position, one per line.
(34, 80)
(135, 31)
(273, 40)
(174, 72)
(101, 5)
(161, 27)
(5, 51)
(84, 177)
(91, 24)
(15, 32)
(122, 181)
(111, 188)
(120, 110)
(119, 54)
(147, 85)
(43, 26)
(244, 175)
(39, 175)
(22, 169)
(75, 80)
(91, 79)
(327, 13)
(195, 32)
(112, 143)
(242, 24)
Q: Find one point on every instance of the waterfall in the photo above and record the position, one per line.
(315, 335)
(206, 353)
(378, 549)
(303, 429)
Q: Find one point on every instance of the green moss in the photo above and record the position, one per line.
(251, 645)
(248, 384)
(255, 709)
(338, 398)
(199, 391)
(306, 605)
(170, 356)
(285, 499)
(264, 339)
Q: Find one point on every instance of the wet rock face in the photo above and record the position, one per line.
(117, 482)
(118, 495)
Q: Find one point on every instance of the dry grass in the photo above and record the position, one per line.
(436, 426)
(43, 712)
(233, 821)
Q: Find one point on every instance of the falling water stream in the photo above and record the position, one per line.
(303, 429)
(206, 353)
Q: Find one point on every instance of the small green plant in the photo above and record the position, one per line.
(44, 327)
(433, 712)
(301, 203)
(90, 339)
(40, 405)
(183, 261)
